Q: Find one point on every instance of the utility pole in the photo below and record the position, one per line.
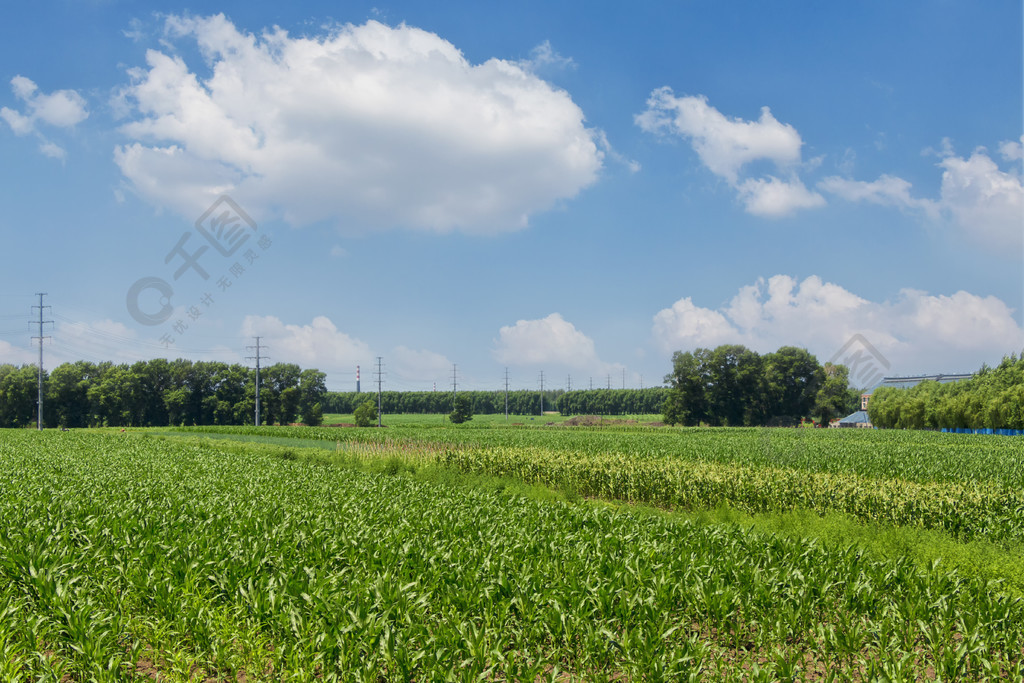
(357, 379)
(506, 394)
(623, 378)
(641, 382)
(541, 392)
(455, 383)
(568, 384)
(591, 383)
(380, 381)
(257, 358)
(39, 400)
(609, 380)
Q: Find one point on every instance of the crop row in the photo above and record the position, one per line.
(967, 511)
(922, 457)
(125, 557)
(711, 471)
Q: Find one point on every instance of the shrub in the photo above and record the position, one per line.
(366, 414)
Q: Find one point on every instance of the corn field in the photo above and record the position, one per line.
(968, 486)
(127, 558)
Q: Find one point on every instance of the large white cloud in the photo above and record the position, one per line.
(59, 109)
(366, 126)
(686, 325)
(317, 345)
(915, 331)
(550, 341)
(726, 145)
(985, 202)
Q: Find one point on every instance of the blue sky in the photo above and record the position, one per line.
(577, 188)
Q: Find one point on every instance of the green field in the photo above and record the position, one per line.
(439, 553)
(956, 483)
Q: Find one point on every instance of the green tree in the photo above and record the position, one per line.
(462, 410)
(793, 379)
(115, 397)
(175, 401)
(366, 414)
(833, 399)
(312, 389)
(154, 377)
(687, 403)
(288, 408)
(274, 379)
(313, 417)
(67, 399)
(735, 389)
(19, 392)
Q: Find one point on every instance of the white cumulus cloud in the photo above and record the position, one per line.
(915, 331)
(1012, 150)
(726, 145)
(686, 325)
(985, 202)
(886, 190)
(319, 344)
(367, 126)
(773, 198)
(59, 109)
(552, 341)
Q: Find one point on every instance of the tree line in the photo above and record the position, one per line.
(732, 385)
(992, 399)
(648, 401)
(520, 401)
(159, 393)
(728, 385)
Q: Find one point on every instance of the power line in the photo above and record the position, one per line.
(73, 352)
(39, 403)
(541, 392)
(380, 381)
(258, 358)
(126, 340)
(506, 394)
(455, 383)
